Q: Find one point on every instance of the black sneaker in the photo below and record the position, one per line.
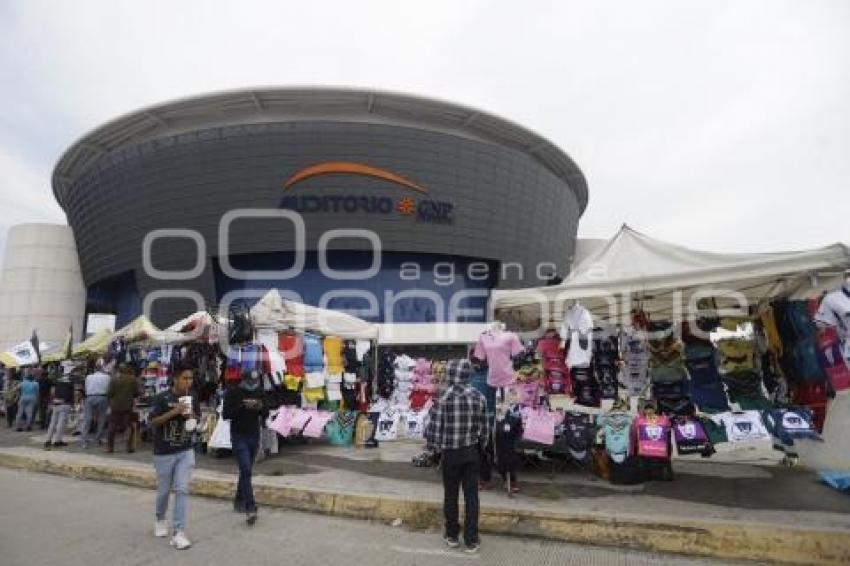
(472, 548)
(60, 444)
(451, 542)
(251, 517)
(48, 446)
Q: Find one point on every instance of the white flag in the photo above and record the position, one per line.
(25, 354)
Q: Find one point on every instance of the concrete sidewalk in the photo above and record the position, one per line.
(734, 511)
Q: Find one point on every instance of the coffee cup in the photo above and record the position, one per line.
(187, 400)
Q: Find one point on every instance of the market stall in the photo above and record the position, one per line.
(627, 347)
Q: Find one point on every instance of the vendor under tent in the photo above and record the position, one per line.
(663, 279)
(274, 312)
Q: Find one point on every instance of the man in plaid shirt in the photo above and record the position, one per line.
(457, 427)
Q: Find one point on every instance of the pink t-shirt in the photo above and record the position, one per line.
(497, 349)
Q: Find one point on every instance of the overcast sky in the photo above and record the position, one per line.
(720, 125)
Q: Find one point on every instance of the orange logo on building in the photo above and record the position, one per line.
(350, 168)
(406, 206)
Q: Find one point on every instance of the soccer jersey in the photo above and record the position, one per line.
(690, 436)
(616, 428)
(790, 424)
(549, 350)
(653, 436)
(577, 430)
(742, 426)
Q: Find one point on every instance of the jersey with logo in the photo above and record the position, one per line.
(690, 436)
(790, 424)
(616, 428)
(653, 436)
(742, 426)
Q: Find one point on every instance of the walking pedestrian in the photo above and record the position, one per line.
(458, 426)
(173, 456)
(11, 396)
(245, 408)
(122, 392)
(27, 402)
(96, 387)
(44, 385)
(63, 400)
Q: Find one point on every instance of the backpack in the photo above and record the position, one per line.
(241, 328)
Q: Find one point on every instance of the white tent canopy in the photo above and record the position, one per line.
(272, 311)
(666, 278)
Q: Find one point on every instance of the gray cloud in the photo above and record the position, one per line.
(721, 125)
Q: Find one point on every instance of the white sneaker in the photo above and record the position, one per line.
(160, 529)
(179, 541)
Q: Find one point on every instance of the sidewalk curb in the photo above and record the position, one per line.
(716, 539)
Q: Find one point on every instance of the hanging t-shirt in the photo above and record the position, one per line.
(416, 423)
(549, 350)
(690, 436)
(387, 428)
(333, 354)
(790, 424)
(577, 434)
(736, 355)
(742, 426)
(497, 349)
(362, 346)
(269, 339)
(292, 347)
(577, 328)
(314, 358)
(653, 436)
(636, 358)
(616, 429)
(834, 311)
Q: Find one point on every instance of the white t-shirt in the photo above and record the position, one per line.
(362, 347)
(387, 426)
(416, 423)
(268, 338)
(743, 426)
(577, 328)
(835, 311)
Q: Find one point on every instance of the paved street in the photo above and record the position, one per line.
(50, 520)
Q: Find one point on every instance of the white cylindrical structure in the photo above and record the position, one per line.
(41, 286)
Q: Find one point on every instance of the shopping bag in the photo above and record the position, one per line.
(220, 439)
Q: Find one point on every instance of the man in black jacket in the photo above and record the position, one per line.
(245, 408)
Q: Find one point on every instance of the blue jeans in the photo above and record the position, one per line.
(26, 406)
(94, 404)
(245, 448)
(173, 471)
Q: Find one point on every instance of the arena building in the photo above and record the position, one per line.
(396, 208)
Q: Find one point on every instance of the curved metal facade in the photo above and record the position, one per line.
(504, 206)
